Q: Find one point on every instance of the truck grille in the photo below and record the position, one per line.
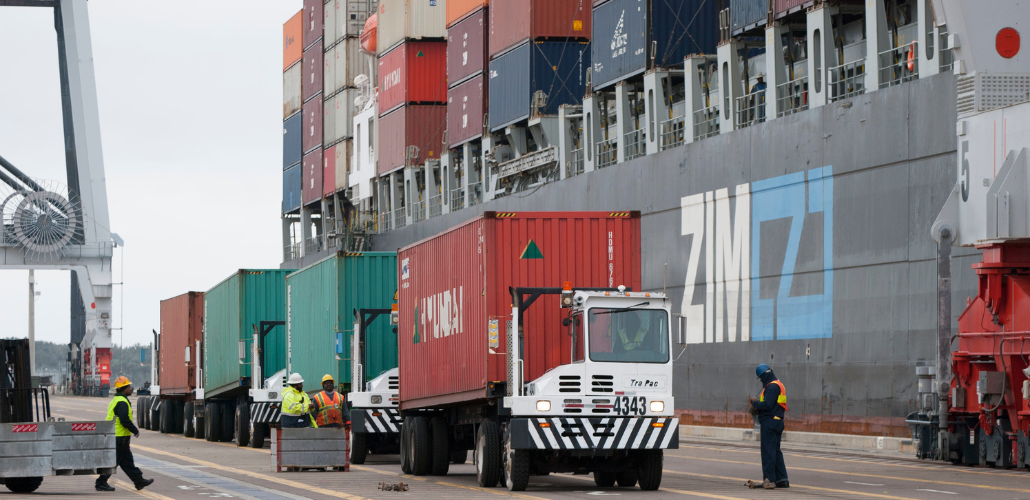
(573, 406)
(568, 383)
(602, 406)
(603, 383)
(392, 383)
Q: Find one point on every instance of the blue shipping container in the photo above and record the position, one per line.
(748, 14)
(556, 68)
(625, 34)
(292, 140)
(291, 189)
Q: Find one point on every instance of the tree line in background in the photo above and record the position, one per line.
(53, 358)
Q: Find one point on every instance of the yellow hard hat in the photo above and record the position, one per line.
(121, 382)
(328, 377)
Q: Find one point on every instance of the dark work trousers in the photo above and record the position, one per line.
(287, 421)
(773, 467)
(124, 456)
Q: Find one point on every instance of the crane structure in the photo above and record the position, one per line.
(976, 400)
(46, 227)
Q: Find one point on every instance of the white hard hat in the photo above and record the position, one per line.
(295, 379)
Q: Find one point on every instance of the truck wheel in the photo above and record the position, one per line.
(179, 417)
(213, 422)
(516, 465)
(187, 420)
(258, 432)
(419, 447)
(459, 456)
(144, 413)
(604, 479)
(198, 422)
(165, 418)
(23, 484)
(139, 412)
(441, 456)
(228, 421)
(488, 454)
(358, 447)
(242, 424)
(154, 415)
(649, 470)
(627, 479)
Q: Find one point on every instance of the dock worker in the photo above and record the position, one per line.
(120, 411)
(330, 407)
(770, 407)
(296, 406)
(631, 333)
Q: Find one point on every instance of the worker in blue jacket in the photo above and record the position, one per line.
(770, 408)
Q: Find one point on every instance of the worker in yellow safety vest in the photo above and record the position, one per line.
(330, 407)
(120, 410)
(631, 333)
(296, 406)
(771, 407)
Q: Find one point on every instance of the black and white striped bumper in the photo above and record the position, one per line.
(376, 420)
(586, 433)
(264, 413)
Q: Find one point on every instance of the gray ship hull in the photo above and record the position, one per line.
(803, 242)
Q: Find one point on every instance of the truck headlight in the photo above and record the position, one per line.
(657, 406)
(377, 399)
(543, 406)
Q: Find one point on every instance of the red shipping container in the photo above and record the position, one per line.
(329, 171)
(783, 7)
(311, 177)
(466, 105)
(311, 131)
(311, 77)
(514, 21)
(313, 17)
(414, 72)
(466, 48)
(454, 284)
(181, 327)
(421, 126)
(292, 50)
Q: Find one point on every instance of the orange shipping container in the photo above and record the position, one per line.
(292, 51)
(460, 9)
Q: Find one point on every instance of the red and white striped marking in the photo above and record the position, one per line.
(25, 428)
(91, 426)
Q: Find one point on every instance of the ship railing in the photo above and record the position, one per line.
(576, 166)
(749, 109)
(291, 252)
(313, 244)
(899, 65)
(364, 222)
(607, 153)
(436, 205)
(400, 218)
(706, 122)
(418, 211)
(672, 133)
(475, 193)
(947, 54)
(846, 80)
(457, 199)
(635, 144)
(792, 97)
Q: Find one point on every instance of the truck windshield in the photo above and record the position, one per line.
(628, 335)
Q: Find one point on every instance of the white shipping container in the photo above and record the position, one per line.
(329, 121)
(329, 72)
(329, 23)
(351, 16)
(291, 90)
(411, 19)
(344, 109)
(344, 151)
(351, 62)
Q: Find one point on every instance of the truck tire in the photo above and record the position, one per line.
(179, 417)
(405, 447)
(649, 469)
(166, 419)
(358, 447)
(604, 479)
(516, 465)
(459, 456)
(488, 454)
(242, 424)
(228, 419)
(258, 432)
(144, 413)
(213, 422)
(441, 456)
(627, 478)
(23, 484)
(198, 422)
(187, 420)
(155, 413)
(139, 412)
(419, 447)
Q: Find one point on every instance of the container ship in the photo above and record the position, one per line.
(787, 158)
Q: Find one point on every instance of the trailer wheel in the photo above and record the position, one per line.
(228, 420)
(405, 446)
(627, 478)
(139, 412)
(419, 452)
(258, 431)
(198, 422)
(154, 415)
(23, 484)
(441, 456)
(187, 420)
(213, 422)
(459, 456)
(488, 454)
(144, 413)
(179, 418)
(358, 447)
(649, 469)
(164, 418)
(242, 424)
(516, 465)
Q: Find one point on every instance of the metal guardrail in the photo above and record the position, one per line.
(475, 193)
(291, 252)
(436, 205)
(24, 405)
(946, 54)
(457, 199)
(749, 109)
(899, 65)
(847, 80)
(792, 97)
(635, 144)
(607, 153)
(577, 166)
(706, 122)
(400, 218)
(672, 134)
(313, 244)
(418, 211)
(364, 222)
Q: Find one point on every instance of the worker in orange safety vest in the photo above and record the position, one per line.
(771, 407)
(330, 406)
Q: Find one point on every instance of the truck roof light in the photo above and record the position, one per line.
(566, 285)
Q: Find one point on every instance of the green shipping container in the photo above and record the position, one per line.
(321, 302)
(246, 298)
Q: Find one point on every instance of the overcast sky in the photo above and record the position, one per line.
(190, 97)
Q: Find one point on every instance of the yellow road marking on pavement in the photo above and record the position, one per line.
(143, 493)
(681, 492)
(279, 480)
(793, 485)
(495, 491)
(230, 444)
(860, 474)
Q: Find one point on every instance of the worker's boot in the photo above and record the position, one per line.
(144, 483)
(783, 484)
(104, 487)
(769, 485)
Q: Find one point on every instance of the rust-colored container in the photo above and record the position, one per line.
(313, 17)
(311, 126)
(466, 48)
(182, 325)
(292, 46)
(466, 105)
(329, 171)
(412, 73)
(311, 177)
(419, 125)
(453, 286)
(457, 10)
(514, 21)
(311, 77)
(784, 7)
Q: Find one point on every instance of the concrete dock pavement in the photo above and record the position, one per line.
(702, 468)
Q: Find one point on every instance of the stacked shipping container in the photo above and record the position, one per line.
(466, 59)
(292, 116)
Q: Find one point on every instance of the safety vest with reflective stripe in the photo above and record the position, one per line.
(782, 399)
(629, 345)
(119, 429)
(329, 409)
